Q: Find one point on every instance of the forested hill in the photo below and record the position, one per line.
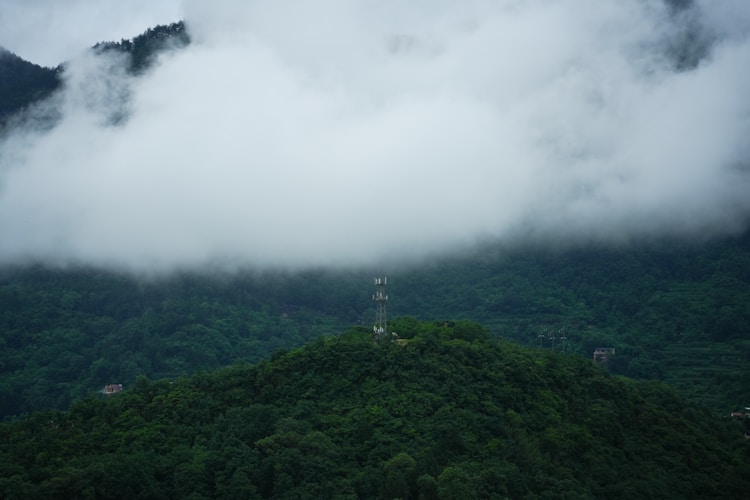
(23, 83)
(142, 49)
(672, 312)
(446, 413)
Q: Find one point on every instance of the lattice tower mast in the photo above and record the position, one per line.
(380, 298)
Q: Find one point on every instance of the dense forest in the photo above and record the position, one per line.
(445, 413)
(672, 313)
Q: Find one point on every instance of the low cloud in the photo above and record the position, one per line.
(291, 133)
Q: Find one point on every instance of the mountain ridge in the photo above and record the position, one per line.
(23, 83)
(452, 414)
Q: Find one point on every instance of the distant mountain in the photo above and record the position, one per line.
(146, 46)
(23, 83)
(445, 413)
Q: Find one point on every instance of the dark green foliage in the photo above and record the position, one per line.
(673, 313)
(64, 334)
(440, 417)
(22, 83)
(143, 49)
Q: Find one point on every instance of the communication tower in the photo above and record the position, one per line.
(380, 329)
(563, 338)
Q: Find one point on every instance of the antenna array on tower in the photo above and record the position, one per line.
(380, 328)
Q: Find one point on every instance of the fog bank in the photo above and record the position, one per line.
(294, 134)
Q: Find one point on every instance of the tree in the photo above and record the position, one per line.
(455, 484)
(399, 477)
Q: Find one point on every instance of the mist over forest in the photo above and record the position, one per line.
(535, 167)
(289, 134)
(195, 198)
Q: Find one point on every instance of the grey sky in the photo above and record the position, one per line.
(294, 132)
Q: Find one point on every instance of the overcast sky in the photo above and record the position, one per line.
(305, 133)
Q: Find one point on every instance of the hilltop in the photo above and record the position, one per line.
(450, 413)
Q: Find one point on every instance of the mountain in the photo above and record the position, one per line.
(23, 83)
(446, 412)
(143, 49)
(671, 312)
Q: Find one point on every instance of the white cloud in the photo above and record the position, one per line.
(297, 133)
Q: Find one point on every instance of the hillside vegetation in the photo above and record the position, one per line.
(22, 83)
(144, 48)
(66, 333)
(676, 311)
(674, 314)
(450, 414)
